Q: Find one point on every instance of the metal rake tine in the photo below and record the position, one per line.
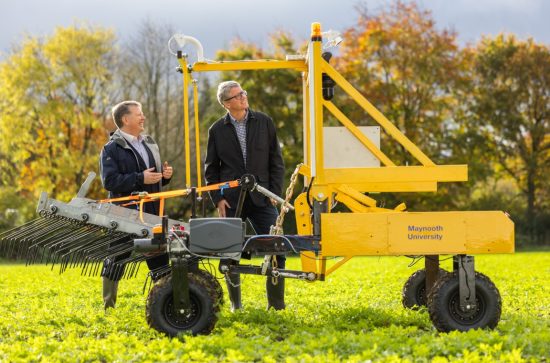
(147, 277)
(130, 269)
(91, 237)
(83, 269)
(44, 230)
(96, 268)
(55, 243)
(90, 267)
(52, 233)
(69, 245)
(137, 269)
(135, 261)
(19, 238)
(17, 232)
(101, 245)
(119, 246)
(11, 230)
(5, 237)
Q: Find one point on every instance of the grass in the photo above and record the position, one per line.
(356, 315)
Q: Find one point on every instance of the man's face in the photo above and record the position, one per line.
(237, 100)
(133, 121)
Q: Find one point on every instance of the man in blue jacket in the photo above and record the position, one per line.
(130, 162)
(242, 142)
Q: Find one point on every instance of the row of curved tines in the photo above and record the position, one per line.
(53, 239)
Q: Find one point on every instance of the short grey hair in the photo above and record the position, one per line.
(122, 109)
(223, 90)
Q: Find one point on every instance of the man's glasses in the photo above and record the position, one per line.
(238, 96)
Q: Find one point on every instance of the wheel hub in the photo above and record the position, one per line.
(183, 320)
(470, 316)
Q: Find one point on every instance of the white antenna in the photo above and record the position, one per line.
(182, 40)
(333, 38)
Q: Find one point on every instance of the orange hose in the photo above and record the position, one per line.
(169, 194)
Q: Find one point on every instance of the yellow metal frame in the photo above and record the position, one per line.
(368, 229)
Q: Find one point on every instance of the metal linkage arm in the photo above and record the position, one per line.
(281, 244)
(271, 195)
(269, 271)
(248, 182)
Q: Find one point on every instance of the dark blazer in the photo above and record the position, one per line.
(121, 168)
(224, 158)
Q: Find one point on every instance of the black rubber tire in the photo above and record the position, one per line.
(445, 313)
(212, 279)
(215, 283)
(205, 307)
(414, 290)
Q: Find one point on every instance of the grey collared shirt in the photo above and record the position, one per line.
(240, 127)
(137, 143)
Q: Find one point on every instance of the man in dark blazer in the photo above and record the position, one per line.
(245, 142)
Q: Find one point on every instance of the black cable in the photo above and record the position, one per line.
(466, 278)
(307, 193)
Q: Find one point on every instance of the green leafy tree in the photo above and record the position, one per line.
(411, 71)
(54, 93)
(511, 106)
(278, 93)
(408, 69)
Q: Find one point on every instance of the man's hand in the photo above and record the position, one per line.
(167, 171)
(222, 206)
(150, 177)
(273, 201)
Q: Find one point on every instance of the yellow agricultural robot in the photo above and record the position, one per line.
(84, 232)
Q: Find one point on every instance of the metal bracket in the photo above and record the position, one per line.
(318, 208)
(231, 268)
(466, 282)
(247, 183)
(180, 285)
(86, 185)
(431, 263)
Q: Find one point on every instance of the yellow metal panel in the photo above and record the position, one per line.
(315, 72)
(380, 187)
(424, 233)
(377, 115)
(440, 173)
(354, 234)
(366, 200)
(244, 65)
(303, 224)
(351, 203)
(306, 132)
(418, 233)
(482, 226)
(302, 215)
(305, 170)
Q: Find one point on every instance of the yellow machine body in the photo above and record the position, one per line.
(415, 233)
(367, 230)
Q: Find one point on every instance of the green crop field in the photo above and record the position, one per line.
(354, 316)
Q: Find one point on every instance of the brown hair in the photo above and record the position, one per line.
(121, 109)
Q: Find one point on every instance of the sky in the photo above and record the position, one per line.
(216, 22)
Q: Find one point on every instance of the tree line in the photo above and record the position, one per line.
(485, 105)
